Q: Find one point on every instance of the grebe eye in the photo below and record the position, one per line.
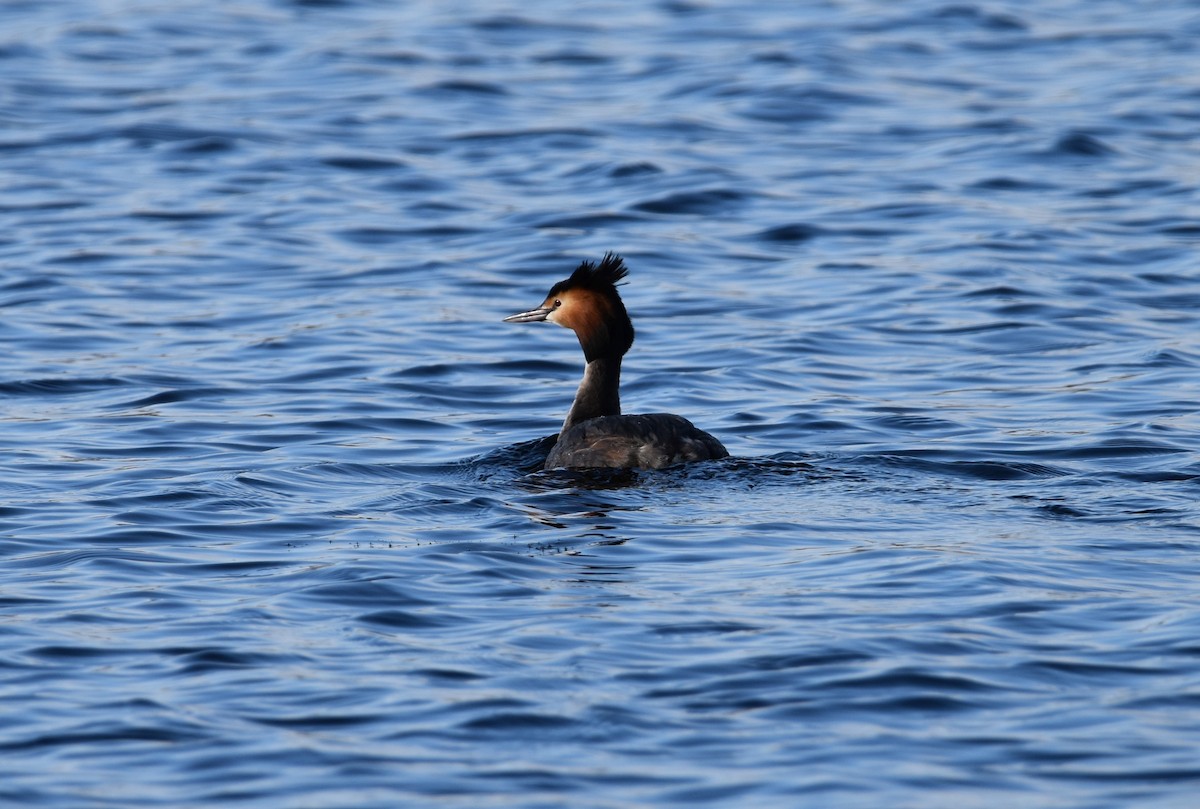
(557, 304)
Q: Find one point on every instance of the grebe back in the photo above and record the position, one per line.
(595, 434)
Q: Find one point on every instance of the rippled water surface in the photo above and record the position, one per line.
(271, 529)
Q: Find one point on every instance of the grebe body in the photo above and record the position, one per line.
(595, 434)
(647, 441)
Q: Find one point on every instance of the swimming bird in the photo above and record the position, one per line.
(595, 434)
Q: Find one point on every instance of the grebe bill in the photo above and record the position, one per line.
(595, 434)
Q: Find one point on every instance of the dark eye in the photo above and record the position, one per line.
(557, 304)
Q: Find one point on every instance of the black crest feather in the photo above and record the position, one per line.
(602, 277)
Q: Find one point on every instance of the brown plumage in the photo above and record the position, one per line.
(595, 434)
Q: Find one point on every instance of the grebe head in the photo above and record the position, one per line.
(588, 304)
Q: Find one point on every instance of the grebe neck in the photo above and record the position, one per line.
(598, 393)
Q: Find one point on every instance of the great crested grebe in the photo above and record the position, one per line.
(595, 433)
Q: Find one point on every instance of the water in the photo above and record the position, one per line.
(271, 526)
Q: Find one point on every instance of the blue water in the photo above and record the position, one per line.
(271, 530)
